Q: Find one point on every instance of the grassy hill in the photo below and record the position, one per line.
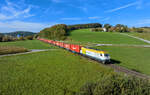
(135, 58)
(86, 36)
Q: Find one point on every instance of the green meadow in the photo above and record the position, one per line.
(29, 44)
(86, 36)
(48, 73)
(134, 58)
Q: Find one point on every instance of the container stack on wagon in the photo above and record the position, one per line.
(95, 54)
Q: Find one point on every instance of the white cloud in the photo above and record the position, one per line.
(95, 17)
(124, 6)
(20, 25)
(13, 11)
(70, 18)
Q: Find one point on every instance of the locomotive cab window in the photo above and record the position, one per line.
(106, 55)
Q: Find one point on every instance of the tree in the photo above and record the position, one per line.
(84, 26)
(56, 32)
(121, 28)
(1, 37)
(107, 26)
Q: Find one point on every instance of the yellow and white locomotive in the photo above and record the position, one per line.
(96, 54)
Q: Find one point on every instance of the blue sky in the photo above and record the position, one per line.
(34, 15)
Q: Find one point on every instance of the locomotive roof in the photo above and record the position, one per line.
(95, 50)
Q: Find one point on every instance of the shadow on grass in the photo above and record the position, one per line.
(113, 61)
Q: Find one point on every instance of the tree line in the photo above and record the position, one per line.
(61, 31)
(7, 38)
(118, 28)
(84, 26)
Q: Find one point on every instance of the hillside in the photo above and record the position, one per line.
(21, 33)
(86, 36)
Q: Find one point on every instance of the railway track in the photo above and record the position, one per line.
(127, 71)
(120, 69)
(112, 64)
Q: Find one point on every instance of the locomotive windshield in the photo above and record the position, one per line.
(106, 55)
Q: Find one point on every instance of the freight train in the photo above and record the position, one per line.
(99, 55)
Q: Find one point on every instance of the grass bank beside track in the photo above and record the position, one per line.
(134, 58)
(29, 44)
(49, 73)
(86, 36)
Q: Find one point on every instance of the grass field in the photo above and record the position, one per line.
(145, 36)
(47, 73)
(85, 36)
(131, 57)
(29, 44)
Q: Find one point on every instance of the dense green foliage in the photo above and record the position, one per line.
(84, 26)
(97, 29)
(11, 50)
(117, 85)
(29, 44)
(56, 32)
(1, 37)
(86, 36)
(29, 37)
(107, 27)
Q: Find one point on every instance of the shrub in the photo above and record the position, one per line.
(11, 49)
(97, 29)
(35, 36)
(21, 38)
(29, 37)
(1, 37)
(117, 85)
(138, 30)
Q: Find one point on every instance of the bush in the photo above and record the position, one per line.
(1, 37)
(11, 50)
(117, 85)
(29, 37)
(138, 30)
(21, 38)
(97, 29)
(35, 36)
